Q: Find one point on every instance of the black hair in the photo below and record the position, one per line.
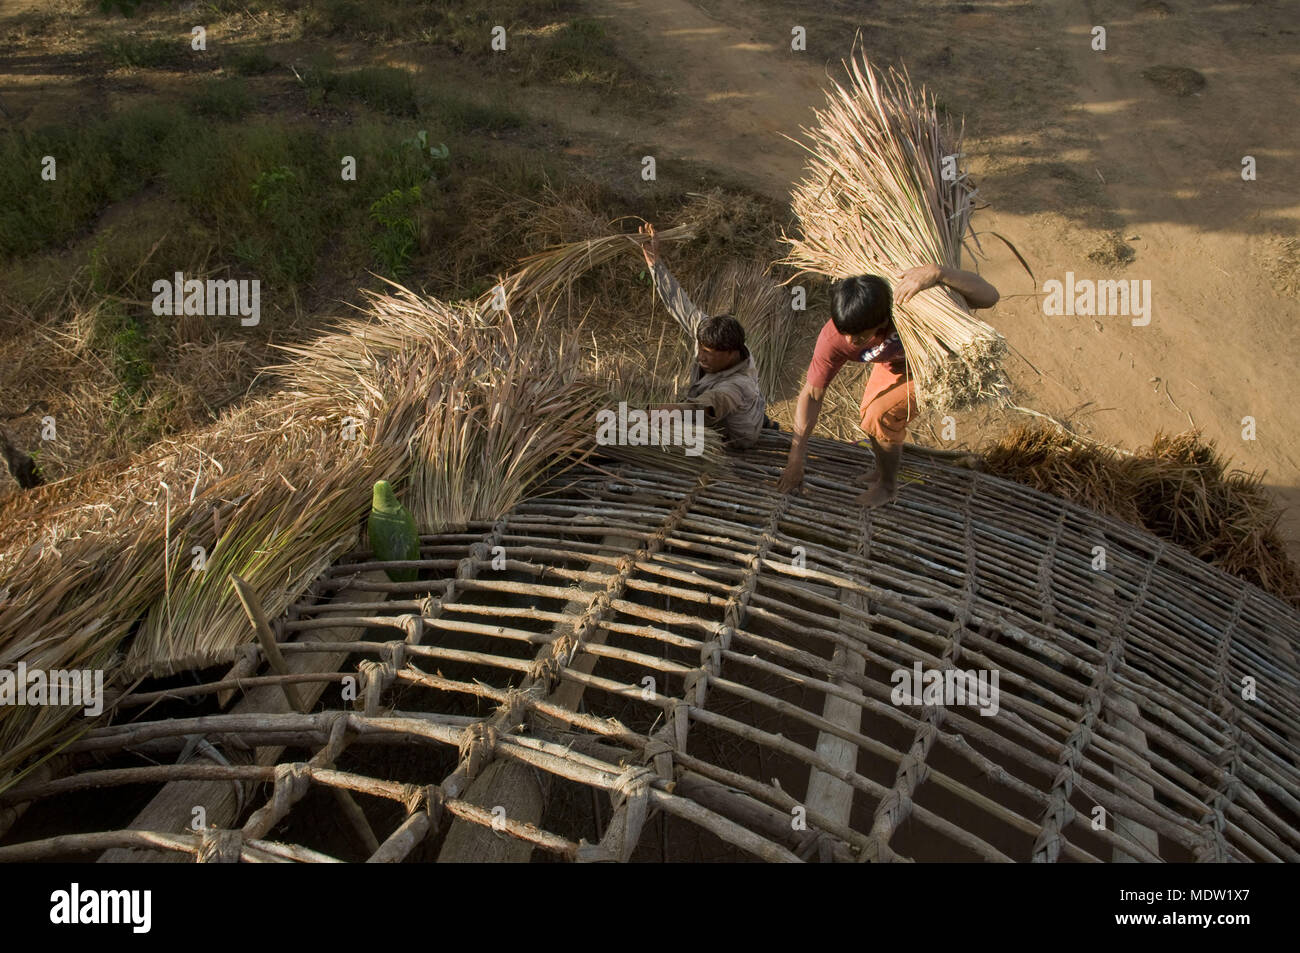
(861, 303)
(721, 332)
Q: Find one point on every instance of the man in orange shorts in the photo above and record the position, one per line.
(861, 328)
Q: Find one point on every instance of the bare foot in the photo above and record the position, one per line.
(876, 495)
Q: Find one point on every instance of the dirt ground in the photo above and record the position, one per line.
(1082, 162)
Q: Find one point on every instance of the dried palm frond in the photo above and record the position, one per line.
(874, 200)
(542, 275)
(762, 306)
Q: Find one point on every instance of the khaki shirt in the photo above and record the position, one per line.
(734, 395)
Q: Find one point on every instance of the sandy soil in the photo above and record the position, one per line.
(1077, 155)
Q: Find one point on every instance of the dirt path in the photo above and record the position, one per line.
(740, 86)
(1072, 149)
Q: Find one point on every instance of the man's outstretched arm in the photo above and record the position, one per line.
(670, 292)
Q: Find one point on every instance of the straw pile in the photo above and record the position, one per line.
(492, 406)
(1179, 488)
(616, 376)
(742, 289)
(282, 506)
(103, 577)
(874, 200)
(464, 410)
(652, 372)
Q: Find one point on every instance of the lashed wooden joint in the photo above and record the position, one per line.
(477, 748)
(376, 678)
(220, 846)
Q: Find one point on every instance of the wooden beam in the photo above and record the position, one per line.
(827, 794)
(266, 638)
(518, 788)
(172, 809)
(1123, 714)
(47, 770)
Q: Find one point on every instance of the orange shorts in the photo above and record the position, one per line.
(888, 403)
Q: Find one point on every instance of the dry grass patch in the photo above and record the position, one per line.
(1179, 488)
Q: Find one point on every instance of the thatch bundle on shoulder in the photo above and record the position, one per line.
(883, 193)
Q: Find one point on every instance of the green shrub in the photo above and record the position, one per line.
(413, 161)
(579, 54)
(399, 234)
(95, 165)
(225, 98)
(121, 340)
(253, 62)
(125, 7)
(290, 226)
(145, 53)
(265, 188)
(454, 113)
(383, 88)
(339, 16)
(271, 189)
(372, 19)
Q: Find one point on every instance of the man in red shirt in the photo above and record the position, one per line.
(861, 328)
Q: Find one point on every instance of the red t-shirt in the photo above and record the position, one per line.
(832, 351)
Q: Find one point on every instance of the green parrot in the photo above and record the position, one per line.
(392, 531)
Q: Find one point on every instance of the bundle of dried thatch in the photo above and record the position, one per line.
(613, 376)
(1179, 488)
(102, 573)
(287, 527)
(487, 406)
(874, 200)
(617, 376)
(460, 407)
(109, 574)
(541, 276)
(745, 290)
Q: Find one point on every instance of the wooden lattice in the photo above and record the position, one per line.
(642, 665)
